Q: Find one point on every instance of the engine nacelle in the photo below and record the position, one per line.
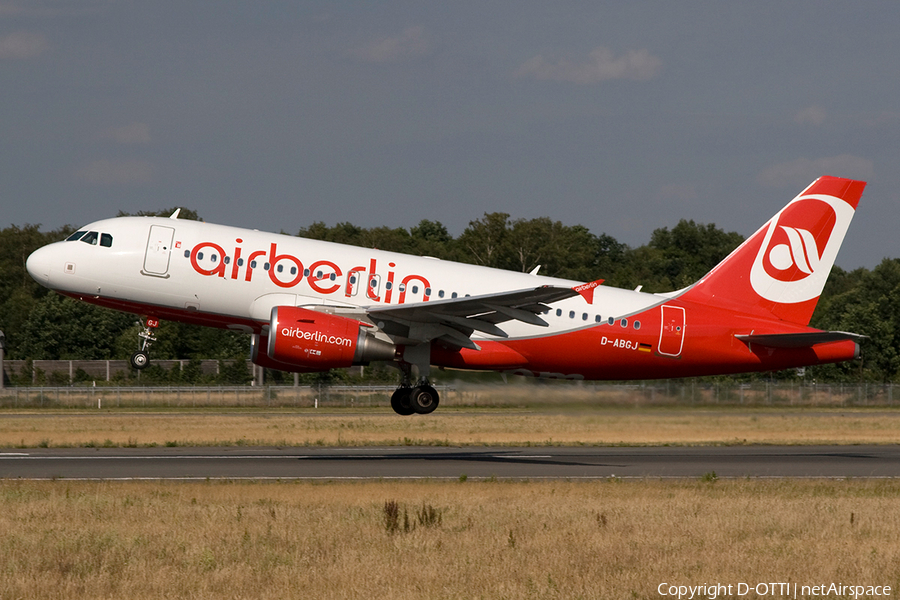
(259, 344)
(316, 341)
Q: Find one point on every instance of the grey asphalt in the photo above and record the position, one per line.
(451, 463)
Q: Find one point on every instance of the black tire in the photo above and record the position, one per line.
(400, 402)
(140, 360)
(424, 399)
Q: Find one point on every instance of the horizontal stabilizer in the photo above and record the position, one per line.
(799, 340)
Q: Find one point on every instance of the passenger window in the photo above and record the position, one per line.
(187, 253)
(637, 324)
(75, 236)
(584, 317)
(453, 295)
(240, 262)
(571, 314)
(624, 323)
(597, 319)
(90, 238)
(440, 293)
(105, 240)
(558, 312)
(611, 320)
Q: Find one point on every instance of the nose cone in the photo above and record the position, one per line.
(38, 265)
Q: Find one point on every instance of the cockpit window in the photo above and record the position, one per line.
(106, 240)
(90, 238)
(75, 236)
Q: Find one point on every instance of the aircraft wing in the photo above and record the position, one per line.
(455, 320)
(799, 340)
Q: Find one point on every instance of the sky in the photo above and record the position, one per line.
(620, 116)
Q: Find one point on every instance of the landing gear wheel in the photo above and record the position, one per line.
(400, 402)
(140, 360)
(423, 399)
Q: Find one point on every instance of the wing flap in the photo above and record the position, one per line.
(455, 319)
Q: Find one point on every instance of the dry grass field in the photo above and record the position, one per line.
(379, 426)
(486, 539)
(606, 539)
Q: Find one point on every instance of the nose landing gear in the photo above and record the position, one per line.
(141, 358)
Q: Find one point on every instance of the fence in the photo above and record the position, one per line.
(530, 394)
(67, 371)
(197, 397)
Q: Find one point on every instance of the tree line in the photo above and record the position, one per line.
(42, 325)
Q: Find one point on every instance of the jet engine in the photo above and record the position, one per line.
(306, 340)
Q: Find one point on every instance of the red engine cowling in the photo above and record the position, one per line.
(259, 344)
(311, 340)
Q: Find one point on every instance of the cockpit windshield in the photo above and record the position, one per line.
(92, 237)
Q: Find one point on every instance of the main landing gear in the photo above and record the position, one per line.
(141, 358)
(420, 399)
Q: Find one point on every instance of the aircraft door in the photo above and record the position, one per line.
(159, 249)
(671, 333)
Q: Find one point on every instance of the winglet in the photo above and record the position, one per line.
(587, 290)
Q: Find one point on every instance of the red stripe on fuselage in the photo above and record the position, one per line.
(610, 352)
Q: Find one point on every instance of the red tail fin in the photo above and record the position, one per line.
(781, 269)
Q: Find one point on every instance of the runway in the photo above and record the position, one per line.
(450, 463)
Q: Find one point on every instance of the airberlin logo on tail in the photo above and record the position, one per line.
(799, 248)
(794, 252)
(801, 252)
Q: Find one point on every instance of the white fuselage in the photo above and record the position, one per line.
(236, 276)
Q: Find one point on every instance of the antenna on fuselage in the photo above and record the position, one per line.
(175, 214)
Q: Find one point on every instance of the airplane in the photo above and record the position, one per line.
(311, 305)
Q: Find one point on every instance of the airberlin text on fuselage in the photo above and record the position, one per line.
(365, 276)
